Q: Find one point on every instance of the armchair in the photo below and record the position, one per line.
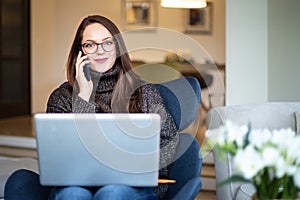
(271, 115)
(182, 98)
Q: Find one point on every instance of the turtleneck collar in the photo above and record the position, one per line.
(105, 81)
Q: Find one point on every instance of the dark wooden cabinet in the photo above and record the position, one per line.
(14, 58)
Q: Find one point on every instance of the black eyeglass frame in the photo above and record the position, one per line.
(101, 44)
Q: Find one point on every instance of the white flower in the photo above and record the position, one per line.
(235, 133)
(248, 161)
(297, 178)
(216, 135)
(270, 156)
(291, 170)
(293, 150)
(282, 137)
(259, 137)
(280, 168)
(276, 151)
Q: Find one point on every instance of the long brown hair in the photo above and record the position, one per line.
(128, 77)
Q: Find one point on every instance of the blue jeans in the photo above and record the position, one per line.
(25, 185)
(111, 192)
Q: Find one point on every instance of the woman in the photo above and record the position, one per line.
(110, 86)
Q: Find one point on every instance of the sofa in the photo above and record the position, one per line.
(271, 115)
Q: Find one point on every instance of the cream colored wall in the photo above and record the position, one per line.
(262, 51)
(284, 51)
(246, 51)
(54, 22)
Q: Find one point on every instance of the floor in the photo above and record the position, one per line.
(206, 195)
(23, 126)
(17, 126)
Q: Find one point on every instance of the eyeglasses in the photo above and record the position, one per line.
(92, 47)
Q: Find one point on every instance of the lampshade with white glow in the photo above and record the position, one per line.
(183, 3)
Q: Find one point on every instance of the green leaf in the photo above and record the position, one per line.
(246, 140)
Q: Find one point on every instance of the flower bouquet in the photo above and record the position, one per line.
(268, 159)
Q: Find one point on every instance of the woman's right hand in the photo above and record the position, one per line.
(85, 86)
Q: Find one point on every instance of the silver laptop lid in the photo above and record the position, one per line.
(98, 149)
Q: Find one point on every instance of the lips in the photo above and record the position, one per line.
(101, 60)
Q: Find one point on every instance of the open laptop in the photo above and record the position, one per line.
(98, 149)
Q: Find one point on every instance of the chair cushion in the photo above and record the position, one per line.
(9, 165)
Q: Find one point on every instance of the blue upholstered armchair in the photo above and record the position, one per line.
(182, 98)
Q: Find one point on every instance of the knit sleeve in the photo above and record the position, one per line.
(62, 100)
(82, 106)
(153, 103)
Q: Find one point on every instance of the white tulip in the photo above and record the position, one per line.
(270, 156)
(235, 133)
(278, 151)
(297, 178)
(281, 167)
(259, 137)
(293, 150)
(248, 161)
(216, 135)
(282, 137)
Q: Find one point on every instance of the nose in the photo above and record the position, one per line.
(100, 49)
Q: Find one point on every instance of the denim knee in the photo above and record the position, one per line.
(123, 192)
(25, 184)
(71, 192)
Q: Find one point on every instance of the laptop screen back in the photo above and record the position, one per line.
(98, 149)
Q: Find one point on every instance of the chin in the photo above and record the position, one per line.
(103, 69)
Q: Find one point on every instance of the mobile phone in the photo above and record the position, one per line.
(86, 69)
(87, 72)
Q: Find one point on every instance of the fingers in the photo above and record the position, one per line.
(85, 86)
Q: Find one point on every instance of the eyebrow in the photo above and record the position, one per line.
(104, 39)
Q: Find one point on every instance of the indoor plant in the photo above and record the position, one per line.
(268, 159)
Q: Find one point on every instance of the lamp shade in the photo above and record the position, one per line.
(183, 3)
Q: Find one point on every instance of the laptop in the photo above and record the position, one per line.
(97, 149)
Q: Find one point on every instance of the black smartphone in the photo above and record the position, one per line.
(86, 69)
(87, 72)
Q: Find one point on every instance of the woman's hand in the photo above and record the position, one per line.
(85, 86)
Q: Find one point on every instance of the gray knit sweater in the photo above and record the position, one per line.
(65, 100)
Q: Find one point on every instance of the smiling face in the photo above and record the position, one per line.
(100, 61)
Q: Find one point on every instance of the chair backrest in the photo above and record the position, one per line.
(182, 98)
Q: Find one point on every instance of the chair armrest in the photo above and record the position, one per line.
(187, 163)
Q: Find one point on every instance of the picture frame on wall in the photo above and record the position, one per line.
(199, 20)
(137, 14)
